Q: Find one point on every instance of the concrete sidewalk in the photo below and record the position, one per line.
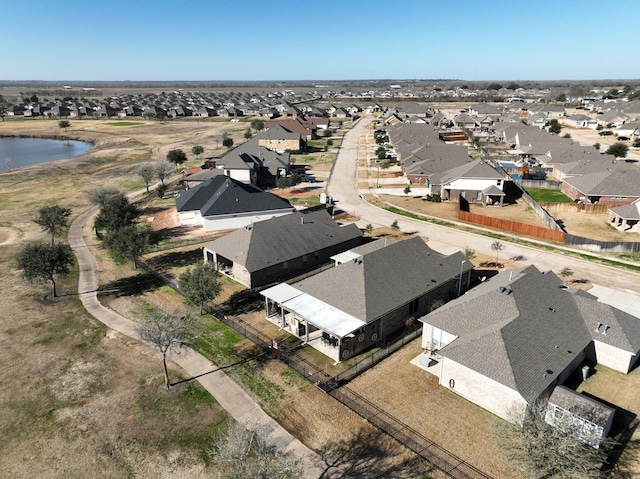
(230, 396)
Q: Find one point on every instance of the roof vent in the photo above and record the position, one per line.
(552, 309)
(606, 328)
(597, 330)
(502, 289)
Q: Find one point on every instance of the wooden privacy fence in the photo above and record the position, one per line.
(579, 207)
(512, 226)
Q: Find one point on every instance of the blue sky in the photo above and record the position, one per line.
(117, 40)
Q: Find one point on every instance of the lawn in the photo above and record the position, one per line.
(543, 195)
(125, 123)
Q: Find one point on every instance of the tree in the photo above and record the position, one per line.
(161, 189)
(596, 146)
(41, 261)
(116, 213)
(53, 220)
(619, 150)
(197, 150)
(368, 229)
(98, 196)
(329, 142)
(554, 126)
(283, 182)
(257, 124)
(469, 253)
(395, 226)
(494, 86)
(497, 246)
(177, 157)
(561, 98)
(566, 135)
(241, 453)
(227, 142)
(566, 273)
(33, 98)
(163, 170)
(540, 450)
(327, 132)
(247, 133)
(129, 242)
(4, 107)
(407, 190)
(64, 124)
(199, 285)
(382, 154)
(168, 332)
(147, 172)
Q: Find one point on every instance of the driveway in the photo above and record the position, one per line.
(342, 187)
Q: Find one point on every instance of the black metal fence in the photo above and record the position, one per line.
(447, 462)
(436, 455)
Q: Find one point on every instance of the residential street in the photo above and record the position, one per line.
(342, 188)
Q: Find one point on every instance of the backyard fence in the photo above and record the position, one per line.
(512, 226)
(447, 462)
(579, 207)
(596, 245)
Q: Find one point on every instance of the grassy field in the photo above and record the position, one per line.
(543, 195)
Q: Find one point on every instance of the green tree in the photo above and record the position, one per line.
(257, 124)
(283, 182)
(554, 126)
(329, 142)
(596, 146)
(64, 124)
(497, 246)
(177, 157)
(566, 135)
(566, 273)
(247, 133)
(53, 220)
(199, 285)
(42, 261)
(98, 196)
(197, 150)
(619, 150)
(382, 154)
(227, 142)
(243, 453)
(161, 189)
(147, 172)
(117, 213)
(34, 98)
(395, 226)
(129, 242)
(168, 332)
(407, 190)
(368, 229)
(163, 169)
(4, 107)
(513, 86)
(561, 98)
(494, 86)
(327, 132)
(469, 253)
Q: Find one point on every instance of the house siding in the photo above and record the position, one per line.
(613, 357)
(497, 398)
(240, 220)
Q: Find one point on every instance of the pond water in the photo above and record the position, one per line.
(18, 152)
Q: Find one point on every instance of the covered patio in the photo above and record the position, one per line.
(315, 322)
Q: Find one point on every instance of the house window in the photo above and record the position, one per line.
(413, 305)
(435, 341)
(304, 258)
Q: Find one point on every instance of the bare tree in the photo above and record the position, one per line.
(562, 450)
(566, 273)
(497, 246)
(147, 172)
(163, 169)
(242, 453)
(469, 253)
(168, 332)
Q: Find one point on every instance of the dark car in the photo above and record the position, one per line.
(605, 133)
(623, 138)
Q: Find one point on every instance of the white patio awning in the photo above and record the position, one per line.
(345, 257)
(322, 315)
(281, 292)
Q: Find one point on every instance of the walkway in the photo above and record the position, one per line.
(230, 396)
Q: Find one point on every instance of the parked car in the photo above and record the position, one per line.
(623, 138)
(307, 178)
(606, 133)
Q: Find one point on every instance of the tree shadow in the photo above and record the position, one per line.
(163, 263)
(176, 232)
(370, 455)
(130, 286)
(241, 302)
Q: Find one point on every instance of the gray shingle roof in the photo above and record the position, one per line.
(384, 279)
(283, 238)
(223, 195)
(521, 330)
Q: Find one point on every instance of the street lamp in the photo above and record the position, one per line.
(378, 182)
(460, 280)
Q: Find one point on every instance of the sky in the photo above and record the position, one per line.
(253, 40)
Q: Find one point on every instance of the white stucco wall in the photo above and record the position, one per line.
(613, 357)
(473, 184)
(227, 222)
(486, 393)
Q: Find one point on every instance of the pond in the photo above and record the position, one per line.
(18, 152)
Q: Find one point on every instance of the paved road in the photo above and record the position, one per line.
(230, 396)
(342, 188)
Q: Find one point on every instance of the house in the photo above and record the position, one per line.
(626, 218)
(511, 340)
(581, 121)
(280, 248)
(630, 130)
(280, 139)
(255, 164)
(617, 185)
(476, 181)
(375, 294)
(223, 203)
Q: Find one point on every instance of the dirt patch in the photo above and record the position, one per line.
(7, 236)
